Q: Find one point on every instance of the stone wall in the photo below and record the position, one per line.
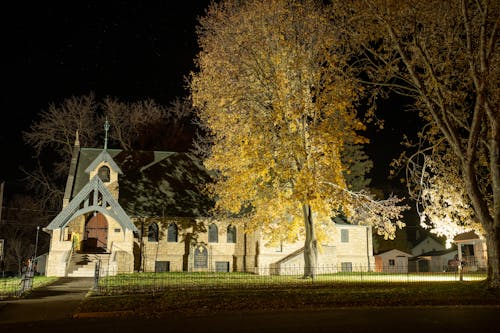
(250, 253)
(59, 252)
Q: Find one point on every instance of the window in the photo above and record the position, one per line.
(104, 174)
(162, 266)
(153, 232)
(222, 266)
(346, 266)
(231, 234)
(344, 236)
(172, 233)
(213, 234)
(392, 262)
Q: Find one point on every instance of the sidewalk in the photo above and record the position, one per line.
(53, 302)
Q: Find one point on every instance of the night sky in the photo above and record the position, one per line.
(53, 50)
(129, 50)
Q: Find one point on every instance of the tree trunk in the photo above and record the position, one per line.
(493, 237)
(493, 248)
(310, 246)
(187, 250)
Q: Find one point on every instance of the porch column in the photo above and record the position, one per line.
(459, 267)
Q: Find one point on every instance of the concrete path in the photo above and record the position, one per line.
(53, 302)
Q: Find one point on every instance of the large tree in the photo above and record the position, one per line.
(278, 108)
(444, 55)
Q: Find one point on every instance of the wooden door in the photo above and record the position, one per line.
(97, 231)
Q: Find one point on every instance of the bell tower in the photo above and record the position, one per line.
(105, 167)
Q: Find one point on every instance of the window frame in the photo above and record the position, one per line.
(153, 233)
(213, 233)
(104, 171)
(344, 235)
(172, 233)
(346, 266)
(231, 233)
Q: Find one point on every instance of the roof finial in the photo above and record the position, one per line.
(106, 128)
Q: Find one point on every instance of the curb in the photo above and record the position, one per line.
(107, 314)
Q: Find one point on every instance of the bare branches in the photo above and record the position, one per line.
(134, 125)
(449, 55)
(57, 126)
(44, 185)
(384, 215)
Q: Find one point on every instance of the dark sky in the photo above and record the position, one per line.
(53, 50)
(129, 50)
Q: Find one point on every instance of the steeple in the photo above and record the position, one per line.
(72, 170)
(106, 129)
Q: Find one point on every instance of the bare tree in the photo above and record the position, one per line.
(19, 228)
(56, 128)
(445, 55)
(144, 125)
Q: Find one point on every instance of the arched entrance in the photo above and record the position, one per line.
(96, 234)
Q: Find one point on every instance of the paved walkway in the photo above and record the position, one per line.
(53, 302)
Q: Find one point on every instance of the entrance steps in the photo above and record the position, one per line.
(84, 264)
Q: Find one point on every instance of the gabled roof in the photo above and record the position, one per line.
(94, 196)
(466, 236)
(429, 237)
(103, 157)
(396, 251)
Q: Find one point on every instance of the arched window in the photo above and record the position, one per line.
(153, 232)
(213, 234)
(104, 174)
(172, 233)
(231, 234)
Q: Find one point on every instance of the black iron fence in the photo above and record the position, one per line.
(269, 278)
(284, 277)
(15, 287)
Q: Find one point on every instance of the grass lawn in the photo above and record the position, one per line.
(190, 300)
(9, 287)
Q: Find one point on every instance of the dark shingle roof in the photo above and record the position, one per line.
(160, 184)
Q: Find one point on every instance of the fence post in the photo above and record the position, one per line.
(27, 279)
(96, 274)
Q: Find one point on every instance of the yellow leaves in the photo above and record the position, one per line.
(279, 110)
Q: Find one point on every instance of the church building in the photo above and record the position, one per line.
(133, 211)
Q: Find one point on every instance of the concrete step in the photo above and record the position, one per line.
(83, 264)
(86, 271)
